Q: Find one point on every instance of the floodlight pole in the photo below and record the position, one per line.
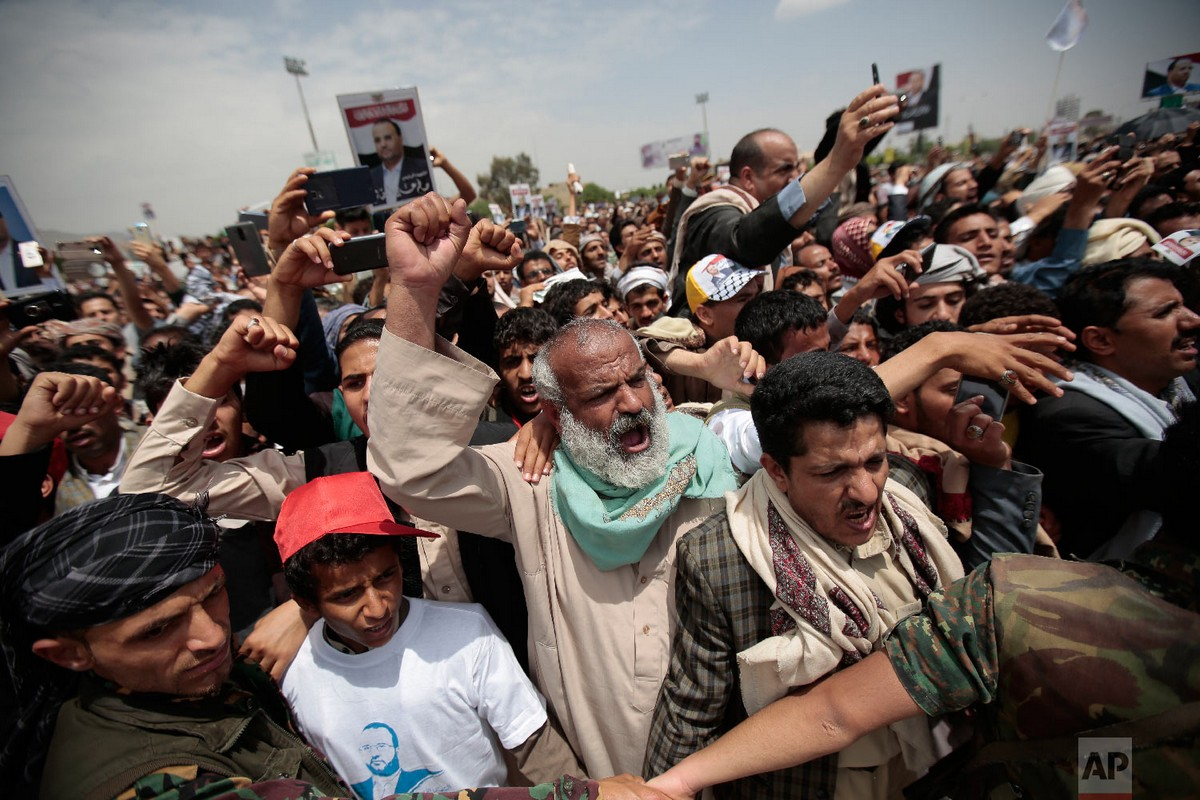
(702, 101)
(295, 67)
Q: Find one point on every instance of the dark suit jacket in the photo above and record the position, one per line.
(415, 178)
(753, 240)
(1099, 468)
(723, 609)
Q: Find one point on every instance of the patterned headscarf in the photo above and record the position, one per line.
(97, 563)
(852, 246)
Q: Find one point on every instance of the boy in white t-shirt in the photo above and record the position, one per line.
(400, 694)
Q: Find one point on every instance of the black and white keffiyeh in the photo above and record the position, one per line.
(97, 563)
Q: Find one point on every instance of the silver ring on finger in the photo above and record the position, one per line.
(1009, 378)
(865, 122)
(974, 432)
(253, 321)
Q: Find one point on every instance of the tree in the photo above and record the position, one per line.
(493, 186)
(595, 193)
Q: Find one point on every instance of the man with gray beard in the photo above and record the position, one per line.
(595, 544)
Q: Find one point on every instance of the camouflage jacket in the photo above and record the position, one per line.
(1056, 648)
(190, 784)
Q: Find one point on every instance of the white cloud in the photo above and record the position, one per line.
(790, 9)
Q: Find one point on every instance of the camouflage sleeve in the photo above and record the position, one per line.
(946, 657)
(189, 783)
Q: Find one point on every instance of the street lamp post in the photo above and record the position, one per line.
(295, 66)
(702, 101)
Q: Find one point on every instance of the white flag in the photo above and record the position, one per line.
(1067, 29)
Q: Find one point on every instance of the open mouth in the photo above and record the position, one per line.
(634, 440)
(1185, 345)
(528, 393)
(214, 445)
(861, 519)
(380, 631)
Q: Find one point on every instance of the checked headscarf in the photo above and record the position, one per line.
(97, 563)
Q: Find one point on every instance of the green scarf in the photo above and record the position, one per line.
(615, 525)
(343, 427)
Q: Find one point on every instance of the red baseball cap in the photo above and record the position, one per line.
(346, 503)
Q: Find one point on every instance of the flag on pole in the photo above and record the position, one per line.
(1067, 29)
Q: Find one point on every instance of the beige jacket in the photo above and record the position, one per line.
(600, 641)
(253, 487)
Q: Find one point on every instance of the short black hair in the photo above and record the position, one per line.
(332, 548)
(814, 387)
(1095, 295)
(81, 368)
(359, 330)
(1008, 299)
(560, 300)
(1148, 192)
(910, 336)
(765, 320)
(941, 233)
(748, 152)
(614, 236)
(863, 316)
(1173, 210)
(231, 310)
(355, 214)
(173, 329)
(526, 325)
(162, 365)
(86, 352)
(800, 278)
(533, 255)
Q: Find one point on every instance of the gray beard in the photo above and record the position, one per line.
(600, 453)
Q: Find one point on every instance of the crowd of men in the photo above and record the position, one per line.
(754, 485)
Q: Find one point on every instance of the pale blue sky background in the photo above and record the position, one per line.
(187, 105)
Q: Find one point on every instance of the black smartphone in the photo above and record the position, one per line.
(874, 74)
(339, 188)
(518, 227)
(1126, 147)
(1015, 138)
(256, 218)
(995, 394)
(247, 246)
(36, 308)
(359, 254)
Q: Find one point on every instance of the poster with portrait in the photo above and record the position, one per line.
(387, 134)
(658, 154)
(537, 204)
(1062, 137)
(518, 199)
(1171, 76)
(1180, 247)
(920, 111)
(16, 226)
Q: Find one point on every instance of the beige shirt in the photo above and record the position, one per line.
(169, 460)
(599, 641)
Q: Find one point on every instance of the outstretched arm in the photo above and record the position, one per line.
(825, 719)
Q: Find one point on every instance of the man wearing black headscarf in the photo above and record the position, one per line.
(124, 599)
(139, 694)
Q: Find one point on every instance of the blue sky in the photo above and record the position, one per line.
(187, 105)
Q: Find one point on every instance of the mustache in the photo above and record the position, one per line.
(628, 422)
